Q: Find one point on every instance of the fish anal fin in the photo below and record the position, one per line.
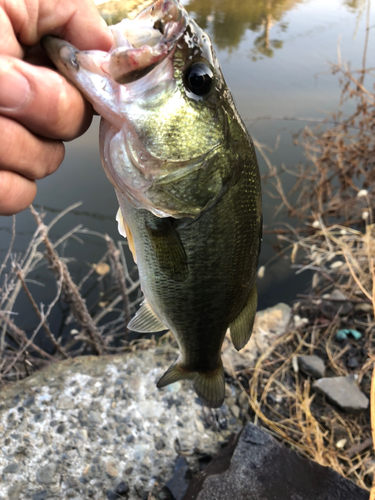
(241, 328)
(146, 321)
(124, 230)
(209, 386)
(168, 248)
(174, 373)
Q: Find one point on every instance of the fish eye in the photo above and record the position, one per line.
(199, 79)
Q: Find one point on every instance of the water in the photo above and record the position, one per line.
(274, 55)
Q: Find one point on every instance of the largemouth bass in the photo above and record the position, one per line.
(187, 180)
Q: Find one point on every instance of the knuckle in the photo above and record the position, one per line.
(54, 157)
(26, 154)
(16, 192)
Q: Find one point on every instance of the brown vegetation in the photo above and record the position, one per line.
(334, 237)
(98, 329)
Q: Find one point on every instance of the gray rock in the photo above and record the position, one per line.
(12, 468)
(340, 304)
(45, 475)
(262, 469)
(343, 391)
(312, 365)
(40, 495)
(14, 491)
(179, 482)
(94, 418)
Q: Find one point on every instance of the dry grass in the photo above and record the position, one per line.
(281, 397)
(95, 329)
(332, 203)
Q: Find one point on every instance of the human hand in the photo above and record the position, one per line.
(39, 108)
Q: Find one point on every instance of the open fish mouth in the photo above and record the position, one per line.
(142, 88)
(145, 41)
(140, 45)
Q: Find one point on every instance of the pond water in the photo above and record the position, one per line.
(274, 55)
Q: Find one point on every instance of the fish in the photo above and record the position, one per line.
(186, 176)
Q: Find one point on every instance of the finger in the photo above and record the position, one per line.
(42, 100)
(78, 22)
(16, 192)
(26, 154)
(9, 43)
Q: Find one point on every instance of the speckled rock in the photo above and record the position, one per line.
(98, 428)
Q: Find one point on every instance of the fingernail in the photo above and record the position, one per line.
(14, 88)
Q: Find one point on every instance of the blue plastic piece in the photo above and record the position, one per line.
(343, 334)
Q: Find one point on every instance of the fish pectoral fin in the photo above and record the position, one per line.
(209, 386)
(124, 230)
(241, 328)
(168, 248)
(146, 321)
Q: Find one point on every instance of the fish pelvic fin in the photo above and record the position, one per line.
(209, 386)
(241, 328)
(146, 321)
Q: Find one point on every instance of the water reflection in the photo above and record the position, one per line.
(228, 20)
(355, 5)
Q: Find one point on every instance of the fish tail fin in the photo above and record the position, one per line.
(209, 386)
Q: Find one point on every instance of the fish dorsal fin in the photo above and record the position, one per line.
(242, 327)
(124, 230)
(168, 248)
(209, 386)
(146, 321)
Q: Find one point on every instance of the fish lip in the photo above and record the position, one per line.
(61, 51)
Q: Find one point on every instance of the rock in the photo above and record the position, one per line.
(122, 489)
(312, 365)
(94, 419)
(260, 468)
(340, 304)
(111, 470)
(65, 402)
(12, 468)
(352, 363)
(179, 482)
(15, 491)
(343, 391)
(94, 432)
(40, 495)
(45, 475)
(269, 324)
(235, 410)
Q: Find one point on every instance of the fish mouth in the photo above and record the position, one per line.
(140, 45)
(145, 41)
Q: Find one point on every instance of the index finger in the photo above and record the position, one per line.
(77, 21)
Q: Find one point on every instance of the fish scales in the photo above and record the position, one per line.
(187, 181)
